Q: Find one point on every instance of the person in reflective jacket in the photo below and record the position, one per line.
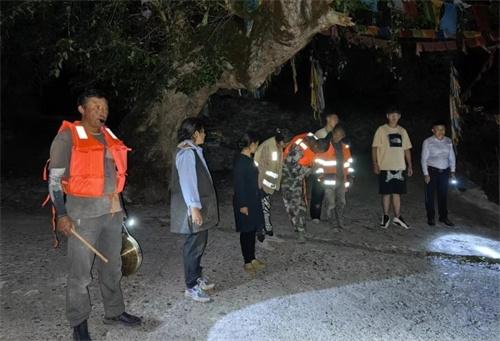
(269, 159)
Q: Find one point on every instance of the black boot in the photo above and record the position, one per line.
(446, 221)
(125, 319)
(81, 332)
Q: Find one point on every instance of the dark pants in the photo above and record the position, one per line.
(439, 183)
(194, 247)
(247, 241)
(317, 194)
(105, 233)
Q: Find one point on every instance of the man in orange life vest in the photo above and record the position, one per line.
(88, 165)
(334, 169)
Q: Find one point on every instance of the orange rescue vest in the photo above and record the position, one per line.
(308, 158)
(86, 173)
(326, 165)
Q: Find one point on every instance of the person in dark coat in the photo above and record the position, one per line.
(247, 202)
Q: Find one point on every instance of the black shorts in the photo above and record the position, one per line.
(392, 182)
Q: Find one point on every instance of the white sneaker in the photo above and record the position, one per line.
(400, 222)
(205, 283)
(197, 294)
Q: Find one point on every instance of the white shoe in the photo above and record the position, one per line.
(205, 283)
(316, 221)
(197, 294)
(400, 222)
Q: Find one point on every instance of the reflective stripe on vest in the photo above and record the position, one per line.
(312, 135)
(111, 133)
(272, 174)
(82, 134)
(269, 184)
(326, 163)
(329, 182)
(274, 156)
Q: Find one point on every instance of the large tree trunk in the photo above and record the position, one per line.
(280, 30)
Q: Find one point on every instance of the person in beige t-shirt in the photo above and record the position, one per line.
(392, 163)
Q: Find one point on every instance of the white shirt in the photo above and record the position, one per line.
(438, 154)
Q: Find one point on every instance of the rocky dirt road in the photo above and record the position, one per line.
(360, 284)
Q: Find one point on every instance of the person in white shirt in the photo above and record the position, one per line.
(317, 190)
(438, 165)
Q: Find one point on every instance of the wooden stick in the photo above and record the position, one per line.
(88, 245)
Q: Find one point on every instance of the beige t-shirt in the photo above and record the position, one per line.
(391, 144)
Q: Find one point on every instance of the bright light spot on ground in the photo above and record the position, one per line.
(488, 252)
(466, 245)
(400, 308)
(131, 222)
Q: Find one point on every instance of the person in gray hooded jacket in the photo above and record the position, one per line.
(193, 205)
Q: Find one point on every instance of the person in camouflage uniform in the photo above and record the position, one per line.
(293, 184)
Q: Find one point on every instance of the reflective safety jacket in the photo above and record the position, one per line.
(269, 159)
(308, 159)
(86, 170)
(326, 165)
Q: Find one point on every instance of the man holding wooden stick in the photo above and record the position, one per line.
(88, 165)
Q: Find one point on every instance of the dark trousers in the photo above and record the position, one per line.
(105, 233)
(194, 247)
(247, 241)
(317, 194)
(439, 184)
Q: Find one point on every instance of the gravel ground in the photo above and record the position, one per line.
(359, 284)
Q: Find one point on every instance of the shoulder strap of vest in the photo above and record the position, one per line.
(77, 131)
(66, 125)
(108, 132)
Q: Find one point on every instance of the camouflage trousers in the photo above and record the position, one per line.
(293, 197)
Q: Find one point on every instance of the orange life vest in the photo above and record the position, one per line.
(86, 173)
(326, 165)
(308, 158)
